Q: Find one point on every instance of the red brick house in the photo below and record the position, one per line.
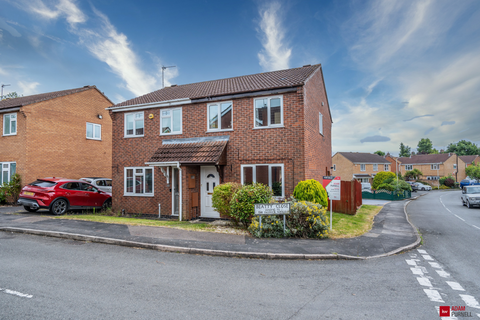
(56, 134)
(469, 160)
(171, 147)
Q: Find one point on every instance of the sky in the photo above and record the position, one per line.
(396, 71)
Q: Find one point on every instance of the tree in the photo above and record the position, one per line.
(425, 146)
(381, 177)
(463, 148)
(414, 174)
(380, 153)
(404, 150)
(473, 171)
(11, 95)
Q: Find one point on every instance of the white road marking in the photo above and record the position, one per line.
(443, 274)
(458, 217)
(478, 315)
(422, 251)
(427, 257)
(411, 262)
(476, 226)
(417, 271)
(470, 301)
(424, 282)
(16, 293)
(435, 265)
(455, 285)
(446, 318)
(433, 295)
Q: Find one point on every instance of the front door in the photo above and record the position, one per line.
(209, 179)
(175, 191)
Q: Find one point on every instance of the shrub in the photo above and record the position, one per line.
(3, 195)
(11, 190)
(222, 195)
(386, 186)
(449, 182)
(242, 206)
(311, 190)
(381, 177)
(306, 220)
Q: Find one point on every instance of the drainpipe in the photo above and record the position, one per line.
(180, 211)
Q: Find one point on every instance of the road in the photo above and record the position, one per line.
(45, 278)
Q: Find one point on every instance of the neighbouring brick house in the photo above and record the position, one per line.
(469, 160)
(57, 134)
(358, 165)
(171, 147)
(433, 166)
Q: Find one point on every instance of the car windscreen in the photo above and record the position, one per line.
(473, 190)
(42, 184)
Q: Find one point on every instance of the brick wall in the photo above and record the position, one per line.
(343, 167)
(51, 139)
(246, 146)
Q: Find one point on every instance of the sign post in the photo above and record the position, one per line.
(272, 209)
(332, 186)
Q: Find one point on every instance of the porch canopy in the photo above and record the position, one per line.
(357, 176)
(191, 151)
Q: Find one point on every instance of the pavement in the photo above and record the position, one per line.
(391, 233)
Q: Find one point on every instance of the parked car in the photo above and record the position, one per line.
(413, 185)
(468, 182)
(423, 187)
(103, 184)
(366, 185)
(59, 195)
(471, 196)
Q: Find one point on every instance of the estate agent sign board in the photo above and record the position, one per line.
(332, 186)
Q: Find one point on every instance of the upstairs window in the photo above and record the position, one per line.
(375, 167)
(334, 167)
(363, 167)
(10, 124)
(268, 112)
(320, 123)
(94, 131)
(134, 124)
(171, 121)
(219, 116)
(434, 166)
(408, 167)
(385, 167)
(454, 166)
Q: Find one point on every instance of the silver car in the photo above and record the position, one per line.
(423, 187)
(103, 184)
(471, 196)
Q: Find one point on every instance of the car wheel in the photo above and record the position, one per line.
(59, 207)
(30, 209)
(469, 206)
(463, 202)
(107, 204)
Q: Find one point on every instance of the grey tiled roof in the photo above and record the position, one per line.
(425, 158)
(468, 159)
(362, 157)
(23, 101)
(249, 83)
(200, 152)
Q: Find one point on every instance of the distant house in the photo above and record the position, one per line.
(171, 147)
(56, 134)
(357, 165)
(469, 160)
(433, 166)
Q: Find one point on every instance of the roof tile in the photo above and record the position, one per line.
(200, 152)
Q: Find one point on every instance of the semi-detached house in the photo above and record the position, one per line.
(171, 147)
(361, 166)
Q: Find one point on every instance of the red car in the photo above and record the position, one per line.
(59, 195)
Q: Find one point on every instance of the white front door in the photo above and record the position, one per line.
(209, 179)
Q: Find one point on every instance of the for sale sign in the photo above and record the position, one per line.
(332, 186)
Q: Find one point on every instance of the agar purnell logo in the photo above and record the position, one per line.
(454, 311)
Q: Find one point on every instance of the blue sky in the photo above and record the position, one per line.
(395, 71)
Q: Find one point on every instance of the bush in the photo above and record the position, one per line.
(311, 190)
(3, 195)
(222, 195)
(381, 177)
(386, 186)
(11, 189)
(306, 220)
(449, 182)
(242, 206)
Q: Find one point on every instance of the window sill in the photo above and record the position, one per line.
(171, 134)
(138, 195)
(9, 135)
(128, 137)
(221, 130)
(94, 139)
(271, 127)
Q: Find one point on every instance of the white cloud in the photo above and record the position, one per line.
(64, 8)
(27, 88)
(276, 53)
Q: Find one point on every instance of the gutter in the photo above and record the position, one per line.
(168, 103)
(10, 110)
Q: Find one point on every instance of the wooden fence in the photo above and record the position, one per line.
(350, 198)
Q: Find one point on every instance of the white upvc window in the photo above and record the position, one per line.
(334, 167)
(134, 124)
(7, 170)
(408, 167)
(220, 116)
(10, 124)
(320, 123)
(375, 167)
(94, 131)
(385, 167)
(271, 175)
(138, 181)
(454, 166)
(434, 166)
(268, 112)
(171, 121)
(363, 167)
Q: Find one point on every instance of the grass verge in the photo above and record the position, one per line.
(348, 226)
